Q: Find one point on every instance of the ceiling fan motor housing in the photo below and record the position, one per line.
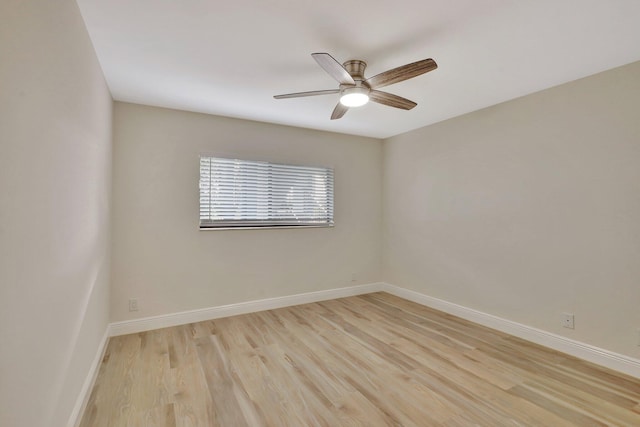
(356, 68)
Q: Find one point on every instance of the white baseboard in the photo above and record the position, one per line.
(87, 386)
(191, 316)
(599, 356)
(606, 358)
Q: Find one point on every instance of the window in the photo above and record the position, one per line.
(251, 194)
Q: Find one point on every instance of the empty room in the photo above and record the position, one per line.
(338, 213)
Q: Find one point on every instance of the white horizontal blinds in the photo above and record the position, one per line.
(242, 193)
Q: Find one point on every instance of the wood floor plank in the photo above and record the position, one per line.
(330, 385)
(231, 404)
(369, 360)
(110, 399)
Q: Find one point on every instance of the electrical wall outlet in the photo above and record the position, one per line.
(567, 320)
(133, 304)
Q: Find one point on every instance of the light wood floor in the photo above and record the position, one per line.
(372, 360)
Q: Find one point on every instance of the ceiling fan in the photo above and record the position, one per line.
(356, 91)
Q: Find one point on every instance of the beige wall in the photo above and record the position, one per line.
(161, 257)
(55, 174)
(523, 210)
(526, 209)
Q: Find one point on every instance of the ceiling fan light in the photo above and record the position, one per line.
(354, 97)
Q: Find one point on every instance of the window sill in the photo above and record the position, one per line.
(266, 227)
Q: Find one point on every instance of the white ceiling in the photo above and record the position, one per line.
(229, 57)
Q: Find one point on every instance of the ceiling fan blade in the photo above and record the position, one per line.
(312, 93)
(401, 73)
(339, 111)
(334, 68)
(391, 100)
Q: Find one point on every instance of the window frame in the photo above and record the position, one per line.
(268, 201)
